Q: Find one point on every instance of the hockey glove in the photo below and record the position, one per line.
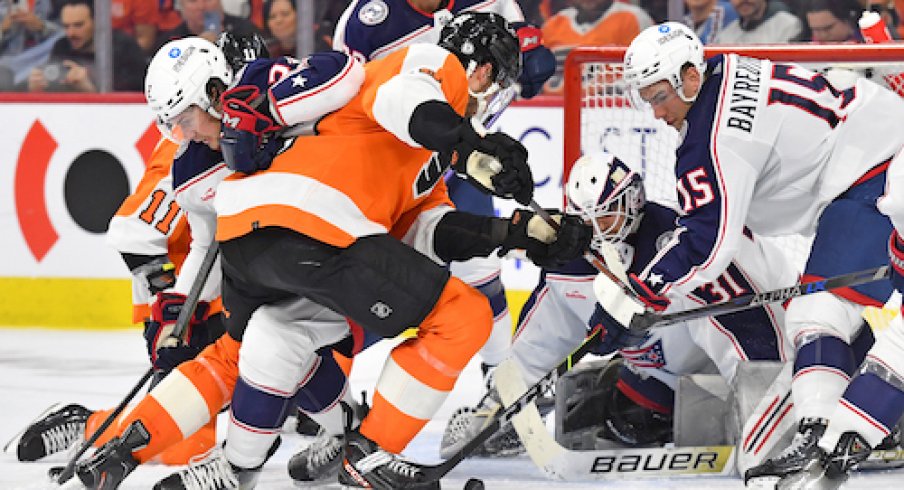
(157, 275)
(496, 163)
(612, 335)
(648, 294)
(543, 244)
(539, 64)
(166, 351)
(248, 141)
(896, 258)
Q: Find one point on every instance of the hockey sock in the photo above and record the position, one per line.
(188, 398)
(421, 372)
(497, 346)
(822, 370)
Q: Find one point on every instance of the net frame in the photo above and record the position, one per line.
(601, 67)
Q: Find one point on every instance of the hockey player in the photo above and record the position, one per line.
(609, 195)
(349, 138)
(777, 149)
(152, 232)
(371, 29)
(874, 400)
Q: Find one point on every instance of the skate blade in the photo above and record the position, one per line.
(13, 444)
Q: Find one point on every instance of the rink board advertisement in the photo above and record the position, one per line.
(69, 162)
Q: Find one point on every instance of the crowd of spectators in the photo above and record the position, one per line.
(47, 45)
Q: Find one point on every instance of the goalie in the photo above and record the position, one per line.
(638, 391)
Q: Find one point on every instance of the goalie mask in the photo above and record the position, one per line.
(661, 52)
(484, 37)
(607, 194)
(179, 79)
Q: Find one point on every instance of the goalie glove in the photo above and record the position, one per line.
(248, 141)
(164, 350)
(543, 244)
(612, 335)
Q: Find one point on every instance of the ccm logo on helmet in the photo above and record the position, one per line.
(182, 59)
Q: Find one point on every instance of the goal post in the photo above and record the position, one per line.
(599, 113)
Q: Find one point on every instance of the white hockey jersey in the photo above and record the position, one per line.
(767, 146)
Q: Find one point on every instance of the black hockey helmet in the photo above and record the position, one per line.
(484, 37)
(241, 49)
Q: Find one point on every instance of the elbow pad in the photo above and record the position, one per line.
(436, 126)
(462, 236)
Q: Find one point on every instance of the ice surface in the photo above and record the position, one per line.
(39, 367)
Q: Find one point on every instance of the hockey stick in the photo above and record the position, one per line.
(601, 464)
(188, 309)
(647, 320)
(504, 415)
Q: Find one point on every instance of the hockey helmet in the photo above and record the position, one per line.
(484, 37)
(660, 52)
(602, 186)
(239, 50)
(178, 78)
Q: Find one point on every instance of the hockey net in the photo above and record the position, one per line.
(600, 114)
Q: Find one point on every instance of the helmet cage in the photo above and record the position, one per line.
(484, 37)
(596, 190)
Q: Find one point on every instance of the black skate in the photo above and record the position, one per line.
(212, 471)
(366, 465)
(319, 461)
(113, 462)
(794, 458)
(55, 430)
(829, 471)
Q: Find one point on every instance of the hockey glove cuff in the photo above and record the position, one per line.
(248, 141)
(157, 275)
(612, 335)
(158, 331)
(648, 293)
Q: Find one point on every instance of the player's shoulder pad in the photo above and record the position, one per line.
(193, 159)
(375, 24)
(315, 86)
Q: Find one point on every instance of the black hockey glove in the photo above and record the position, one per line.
(544, 245)
(157, 275)
(165, 351)
(496, 163)
(613, 335)
(249, 141)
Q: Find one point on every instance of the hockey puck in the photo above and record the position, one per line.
(474, 484)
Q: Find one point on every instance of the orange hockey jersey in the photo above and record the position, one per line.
(362, 174)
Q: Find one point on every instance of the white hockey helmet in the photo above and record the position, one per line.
(600, 185)
(659, 52)
(178, 75)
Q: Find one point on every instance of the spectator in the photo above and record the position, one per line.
(760, 22)
(832, 21)
(205, 18)
(280, 27)
(137, 18)
(708, 17)
(590, 23)
(71, 66)
(26, 37)
(168, 17)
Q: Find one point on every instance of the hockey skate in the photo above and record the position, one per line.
(305, 425)
(212, 471)
(793, 459)
(366, 465)
(466, 422)
(319, 461)
(829, 471)
(55, 430)
(113, 462)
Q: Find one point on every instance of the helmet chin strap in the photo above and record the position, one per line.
(678, 85)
